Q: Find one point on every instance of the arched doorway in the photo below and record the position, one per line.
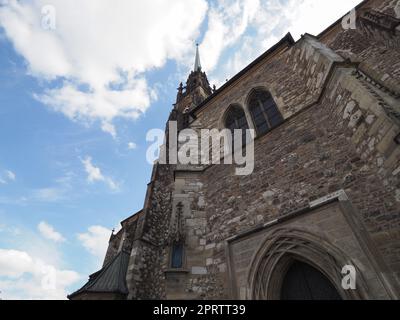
(285, 248)
(303, 282)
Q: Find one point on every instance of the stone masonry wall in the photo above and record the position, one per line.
(145, 276)
(377, 50)
(316, 153)
(344, 142)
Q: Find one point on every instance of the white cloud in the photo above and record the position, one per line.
(100, 51)
(11, 231)
(48, 232)
(7, 176)
(313, 16)
(95, 240)
(52, 194)
(258, 26)
(60, 190)
(227, 22)
(10, 175)
(14, 263)
(109, 128)
(132, 146)
(95, 175)
(23, 276)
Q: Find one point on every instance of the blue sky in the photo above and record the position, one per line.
(77, 100)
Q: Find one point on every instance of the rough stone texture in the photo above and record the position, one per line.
(339, 96)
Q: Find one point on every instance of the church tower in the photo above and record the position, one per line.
(197, 88)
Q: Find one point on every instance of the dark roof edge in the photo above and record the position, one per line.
(287, 39)
(137, 214)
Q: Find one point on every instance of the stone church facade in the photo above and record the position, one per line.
(324, 194)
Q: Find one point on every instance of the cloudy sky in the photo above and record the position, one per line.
(81, 83)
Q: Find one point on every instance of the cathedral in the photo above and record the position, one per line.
(319, 216)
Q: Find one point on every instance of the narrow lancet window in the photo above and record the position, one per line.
(177, 256)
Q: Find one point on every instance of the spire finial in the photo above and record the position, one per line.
(197, 64)
(112, 234)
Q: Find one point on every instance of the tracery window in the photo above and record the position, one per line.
(236, 119)
(264, 111)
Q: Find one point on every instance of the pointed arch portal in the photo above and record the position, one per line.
(303, 282)
(294, 265)
(307, 255)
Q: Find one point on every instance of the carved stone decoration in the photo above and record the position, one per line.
(176, 231)
(284, 246)
(381, 20)
(180, 93)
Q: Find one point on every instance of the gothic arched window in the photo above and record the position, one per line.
(264, 111)
(236, 119)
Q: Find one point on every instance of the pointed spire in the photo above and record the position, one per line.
(197, 64)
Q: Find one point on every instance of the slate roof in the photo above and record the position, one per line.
(110, 279)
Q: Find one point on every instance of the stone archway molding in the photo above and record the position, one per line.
(278, 251)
